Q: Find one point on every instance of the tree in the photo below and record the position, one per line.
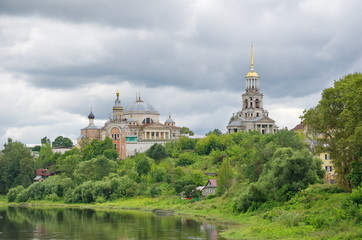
(225, 177)
(215, 131)
(63, 142)
(45, 159)
(16, 166)
(191, 191)
(186, 130)
(337, 121)
(97, 147)
(95, 169)
(36, 148)
(157, 152)
(45, 140)
(143, 166)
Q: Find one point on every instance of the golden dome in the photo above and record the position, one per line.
(252, 74)
(117, 93)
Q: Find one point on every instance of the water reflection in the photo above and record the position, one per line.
(33, 223)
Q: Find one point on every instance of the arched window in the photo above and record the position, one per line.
(147, 121)
(257, 103)
(246, 103)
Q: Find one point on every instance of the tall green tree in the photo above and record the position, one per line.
(186, 130)
(225, 177)
(45, 159)
(216, 131)
(61, 141)
(157, 152)
(95, 169)
(45, 140)
(16, 166)
(97, 147)
(337, 123)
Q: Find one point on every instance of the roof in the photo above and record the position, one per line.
(91, 115)
(213, 183)
(141, 107)
(236, 123)
(42, 172)
(300, 126)
(169, 120)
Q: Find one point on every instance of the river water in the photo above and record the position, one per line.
(23, 223)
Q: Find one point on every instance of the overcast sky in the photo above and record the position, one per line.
(187, 57)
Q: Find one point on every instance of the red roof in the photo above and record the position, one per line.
(42, 172)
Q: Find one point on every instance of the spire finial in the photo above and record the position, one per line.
(252, 58)
(169, 115)
(139, 96)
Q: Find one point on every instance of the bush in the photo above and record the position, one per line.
(13, 193)
(185, 159)
(52, 197)
(356, 196)
(155, 191)
(289, 219)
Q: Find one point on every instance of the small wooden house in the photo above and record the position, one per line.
(210, 187)
(41, 175)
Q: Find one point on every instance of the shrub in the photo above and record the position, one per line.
(356, 195)
(13, 193)
(52, 197)
(289, 219)
(155, 191)
(185, 159)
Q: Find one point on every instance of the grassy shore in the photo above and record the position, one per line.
(313, 214)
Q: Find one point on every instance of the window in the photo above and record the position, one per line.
(257, 103)
(147, 121)
(327, 156)
(329, 168)
(257, 114)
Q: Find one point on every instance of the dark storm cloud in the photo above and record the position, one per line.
(121, 13)
(300, 47)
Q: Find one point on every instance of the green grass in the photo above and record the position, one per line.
(316, 213)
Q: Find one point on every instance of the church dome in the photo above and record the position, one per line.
(252, 74)
(91, 115)
(170, 120)
(141, 107)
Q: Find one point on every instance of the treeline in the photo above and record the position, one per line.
(252, 169)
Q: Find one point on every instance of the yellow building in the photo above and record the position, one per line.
(327, 164)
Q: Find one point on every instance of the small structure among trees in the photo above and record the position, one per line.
(41, 175)
(210, 187)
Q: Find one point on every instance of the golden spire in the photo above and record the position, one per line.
(252, 73)
(117, 93)
(252, 58)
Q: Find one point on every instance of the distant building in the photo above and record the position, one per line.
(41, 175)
(327, 163)
(134, 129)
(252, 116)
(210, 187)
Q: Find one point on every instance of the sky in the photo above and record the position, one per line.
(59, 59)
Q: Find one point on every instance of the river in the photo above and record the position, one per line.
(28, 223)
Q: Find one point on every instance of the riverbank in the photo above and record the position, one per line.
(314, 214)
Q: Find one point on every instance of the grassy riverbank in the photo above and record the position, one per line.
(315, 213)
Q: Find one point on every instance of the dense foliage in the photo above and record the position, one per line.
(252, 169)
(337, 123)
(16, 166)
